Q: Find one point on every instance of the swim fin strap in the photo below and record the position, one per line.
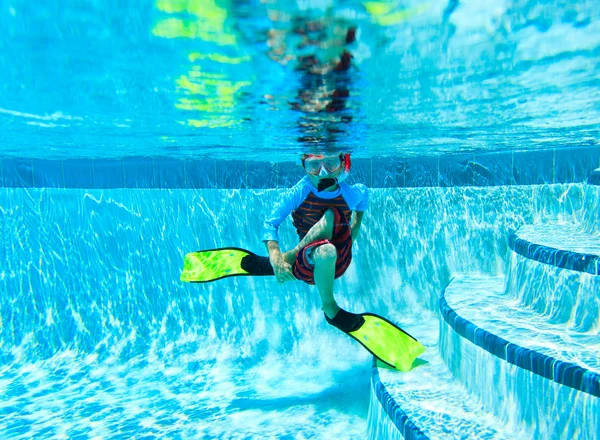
(383, 339)
(214, 264)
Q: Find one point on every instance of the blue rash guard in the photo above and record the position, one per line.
(307, 206)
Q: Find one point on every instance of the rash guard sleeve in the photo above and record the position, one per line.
(288, 201)
(363, 202)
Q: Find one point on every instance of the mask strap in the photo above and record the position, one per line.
(347, 163)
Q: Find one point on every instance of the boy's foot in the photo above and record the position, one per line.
(331, 310)
(346, 321)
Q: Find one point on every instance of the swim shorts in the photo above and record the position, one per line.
(304, 266)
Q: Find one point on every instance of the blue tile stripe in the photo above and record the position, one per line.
(579, 262)
(474, 169)
(594, 177)
(564, 373)
(398, 417)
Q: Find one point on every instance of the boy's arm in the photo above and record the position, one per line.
(273, 250)
(359, 203)
(356, 222)
(283, 271)
(285, 205)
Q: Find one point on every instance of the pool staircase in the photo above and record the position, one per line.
(518, 355)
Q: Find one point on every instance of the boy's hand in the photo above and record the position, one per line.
(283, 270)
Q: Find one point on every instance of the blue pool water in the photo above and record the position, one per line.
(222, 78)
(135, 132)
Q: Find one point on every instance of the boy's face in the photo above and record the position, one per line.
(319, 168)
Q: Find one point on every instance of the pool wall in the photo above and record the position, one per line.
(90, 268)
(564, 165)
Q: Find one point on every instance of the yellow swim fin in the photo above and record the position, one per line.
(214, 264)
(382, 338)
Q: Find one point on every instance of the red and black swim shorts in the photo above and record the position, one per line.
(342, 240)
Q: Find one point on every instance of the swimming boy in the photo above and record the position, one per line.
(321, 206)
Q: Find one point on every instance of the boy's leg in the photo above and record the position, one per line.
(325, 257)
(323, 229)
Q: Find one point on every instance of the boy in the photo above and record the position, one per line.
(321, 205)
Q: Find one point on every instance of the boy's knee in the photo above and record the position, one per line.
(326, 252)
(329, 216)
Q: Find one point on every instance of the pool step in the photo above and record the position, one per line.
(552, 270)
(549, 373)
(564, 246)
(590, 221)
(428, 402)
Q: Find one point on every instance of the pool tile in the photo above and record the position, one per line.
(576, 164)
(543, 254)
(78, 173)
(48, 173)
(361, 172)
(388, 173)
(288, 174)
(569, 374)
(108, 173)
(576, 261)
(491, 343)
(169, 173)
(519, 356)
(422, 172)
(567, 260)
(261, 175)
(533, 167)
(518, 245)
(531, 360)
(200, 174)
(493, 169)
(591, 383)
(231, 174)
(138, 172)
(543, 365)
(17, 173)
(478, 337)
(456, 170)
(462, 326)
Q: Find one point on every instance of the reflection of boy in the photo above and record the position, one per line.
(321, 205)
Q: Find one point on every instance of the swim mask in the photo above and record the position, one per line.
(319, 165)
(322, 166)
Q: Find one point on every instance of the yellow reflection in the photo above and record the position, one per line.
(196, 73)
(179, 28)
(206, 9)
(208, 86)
(210, 95)
(377, 8)
(220, 122)
(384, 15)
(210, 105)
(223, 59)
